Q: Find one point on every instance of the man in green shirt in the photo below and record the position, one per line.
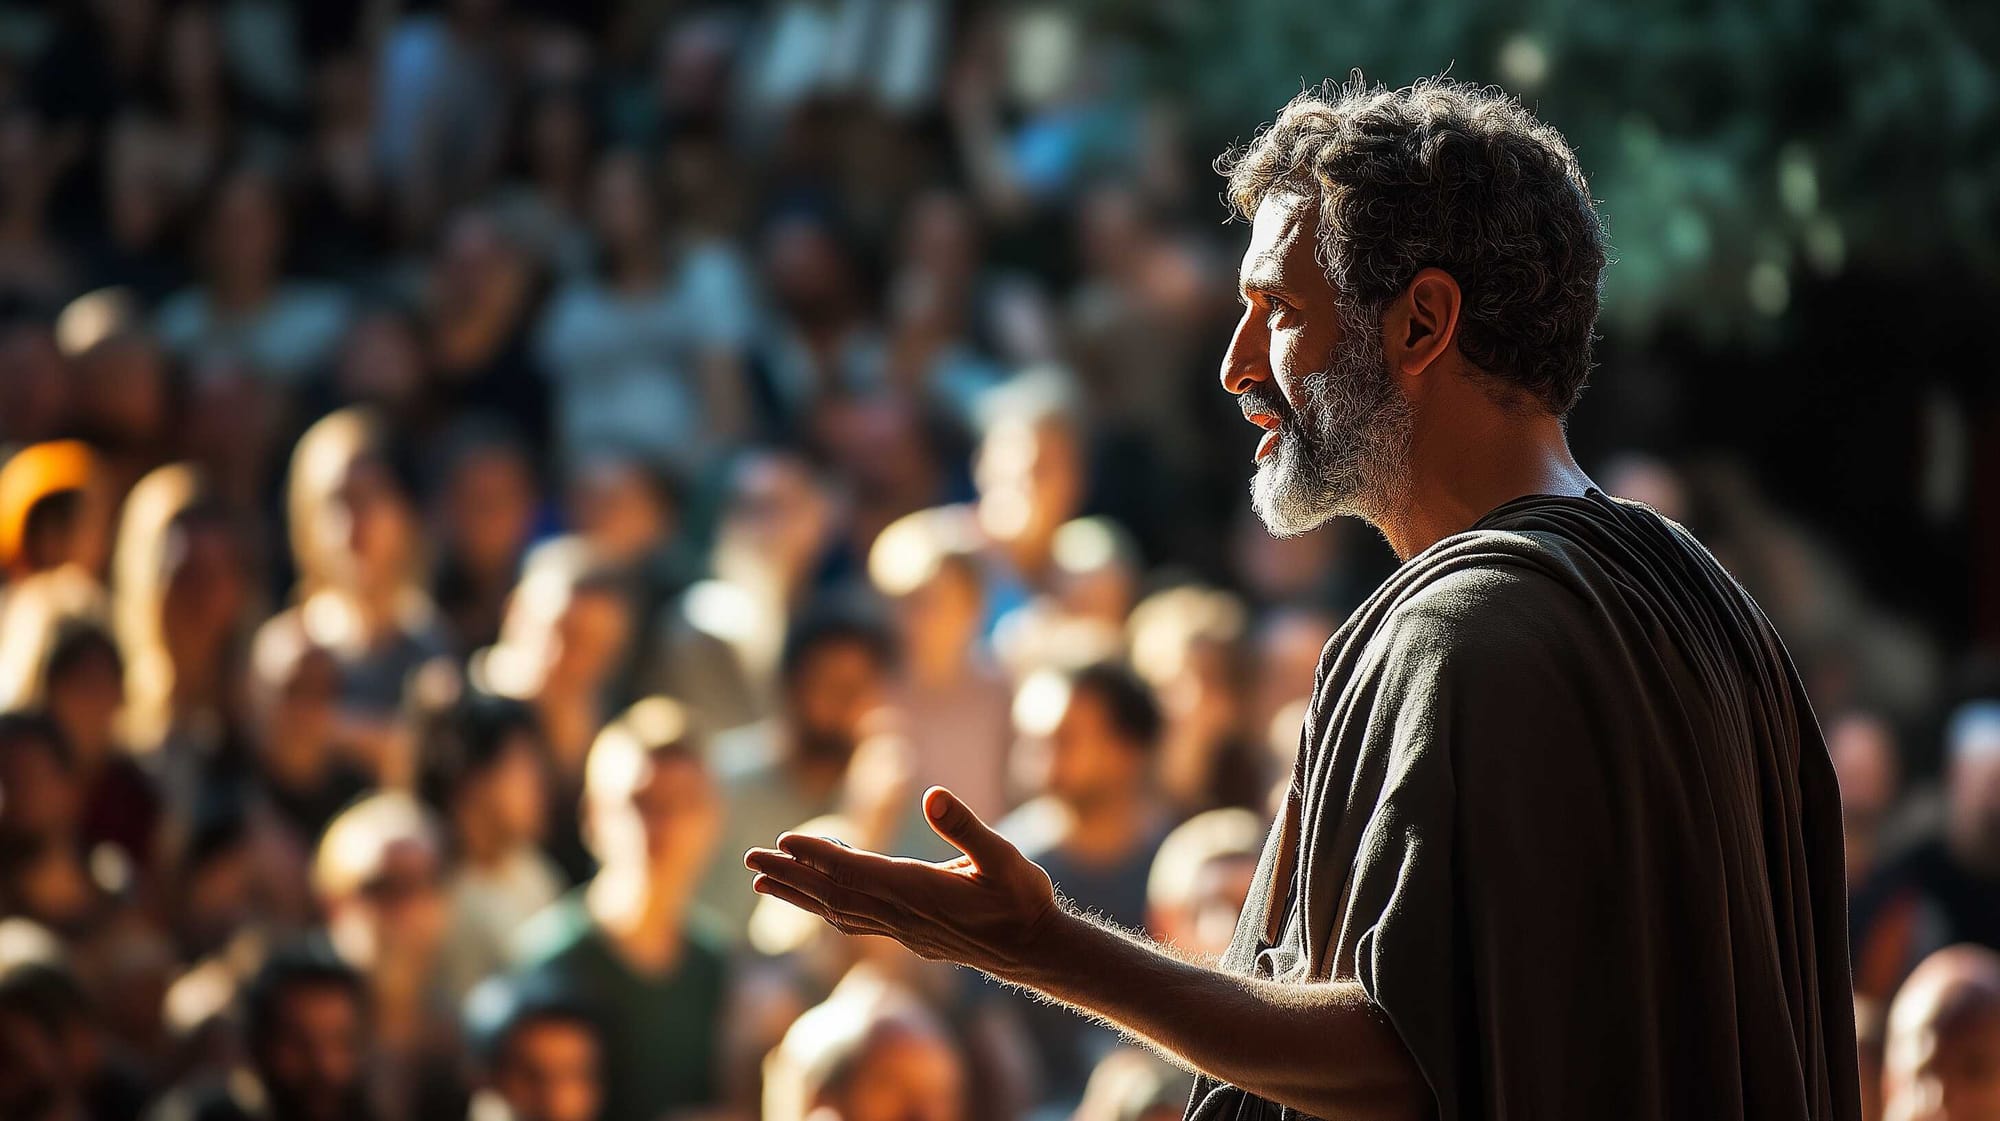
(630, 945)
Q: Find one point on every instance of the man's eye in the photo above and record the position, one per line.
(1276, 310)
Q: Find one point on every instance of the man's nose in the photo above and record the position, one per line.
(1248, 358)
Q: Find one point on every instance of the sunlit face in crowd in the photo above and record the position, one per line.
(1088, 759)
(654, 810)
(375, 525)
(311, 1059)
(618, 510)
(904, 1075)
(591, 634)
(207, 587)
(1337, 428)
(403, 901)
(1950, 1071)
(777, 515)
(549, 1070)
(1029, 472)
(942, 614)
(831, 694)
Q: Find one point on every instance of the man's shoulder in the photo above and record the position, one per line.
(1486, 601)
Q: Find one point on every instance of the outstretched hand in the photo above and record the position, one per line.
(986, 908)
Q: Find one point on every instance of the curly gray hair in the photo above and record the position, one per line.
(1447, 174)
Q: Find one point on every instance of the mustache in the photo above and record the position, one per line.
(1262, 400)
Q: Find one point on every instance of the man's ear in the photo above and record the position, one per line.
(1421, 325)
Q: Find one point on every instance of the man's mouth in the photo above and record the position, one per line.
(1267, 422)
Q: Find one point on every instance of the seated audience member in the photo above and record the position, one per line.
(486, 504)
(303, 768)
(1200, 878)
(628, 510)
(93, 1076)
(484, 770)
(870, 1052)
(1946, 888)
(83, 690)
(378, 876)
(1188, 644)
(1942, 1061)
(35, 1081)
(721, 642)
(43, 871)
(181, 582)
(632, 363)
(1095, 829)
(305, 1034)
(237, 876)
(784, 771)
(1082, 615)
(1099, 820)
(1029, 471)
(356, 537)
(245, 307)
(953, 700)
(629, 946)
(541, 1059)
(567, 630)
(1134, 1085)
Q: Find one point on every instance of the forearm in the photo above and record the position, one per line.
(1322, 1048)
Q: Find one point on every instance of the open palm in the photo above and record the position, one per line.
(981, 909)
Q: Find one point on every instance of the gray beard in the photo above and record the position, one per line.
(1346, 449)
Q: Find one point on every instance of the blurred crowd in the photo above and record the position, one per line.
(473, 469)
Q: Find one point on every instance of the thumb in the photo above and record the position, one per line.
(953, 820)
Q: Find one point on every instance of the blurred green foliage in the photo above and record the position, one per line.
(1734, 146)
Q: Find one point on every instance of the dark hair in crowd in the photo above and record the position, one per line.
(302, 966)
(831, 625)
(526, 1005)
(1454, 176)
(34, 731)
(75, 642)
(463, 739)
(1127, 700)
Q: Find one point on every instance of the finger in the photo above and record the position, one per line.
(860, 869)
(765, 884)
(953, 820)
(832, 895)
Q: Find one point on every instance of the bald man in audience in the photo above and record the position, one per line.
(1943, 1058)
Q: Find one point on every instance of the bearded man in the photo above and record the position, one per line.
(1563, 841)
